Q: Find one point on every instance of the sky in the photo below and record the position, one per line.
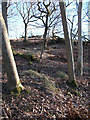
(16, 26)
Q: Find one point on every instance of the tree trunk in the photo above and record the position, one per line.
(25, 38)
(10, 66)
(45, 34)
(69, 51)
(4, 12)
(80, 43)
(71, 33)
(53, 29)
(0, 73)
(44, 37)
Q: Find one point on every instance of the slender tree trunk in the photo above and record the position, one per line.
(44, 37)
(53, 34)
(10, 66)
(45, 34)
(4, 12)
(88, 45)
(80, 43)
(71, 32)
(69, 51)
(0, 73)
(25, 39)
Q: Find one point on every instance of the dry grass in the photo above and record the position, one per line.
(62, 75)
(47, 83)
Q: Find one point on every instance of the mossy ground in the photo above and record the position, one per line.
(61, 75)
(46, 82)
(29, 57)
(72, 84)
(16, 92)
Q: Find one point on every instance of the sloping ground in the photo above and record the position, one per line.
(47, 95)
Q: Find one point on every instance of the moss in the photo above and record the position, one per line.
(16, 92)
(24, 48)
(28, 91)
(29, 57)
(75, 92)
(46, 83)
(20, 54)
(13, 51)
(72, 84)
(29, 62)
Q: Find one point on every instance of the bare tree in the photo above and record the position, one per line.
(80, 42)
(9, 63)
(73, 20)
(49, 14)
(25, 10)
(8, 11)
(71, 29)
(70, 59)
(46, 12)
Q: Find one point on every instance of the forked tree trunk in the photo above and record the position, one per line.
(80, 43)
(4, 12)
(10, 66)
(44, 37)
(69, 51)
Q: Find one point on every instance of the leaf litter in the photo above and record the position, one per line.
(46, 94)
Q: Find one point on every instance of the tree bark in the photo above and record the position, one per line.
(25, 38)
(4, 13)
(80, 43)
(44, 37)
(7, 55)
(69, 51)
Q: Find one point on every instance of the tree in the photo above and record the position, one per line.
(80, 42)
(71, 30)
(24, 8)
(9, 62)
(45, 24)
(49, 14)
(46, 10)
(69, 51)
(8, 11)
(4, 12)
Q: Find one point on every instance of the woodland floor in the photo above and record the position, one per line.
(47, 94)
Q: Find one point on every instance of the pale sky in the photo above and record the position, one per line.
(16, 26)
